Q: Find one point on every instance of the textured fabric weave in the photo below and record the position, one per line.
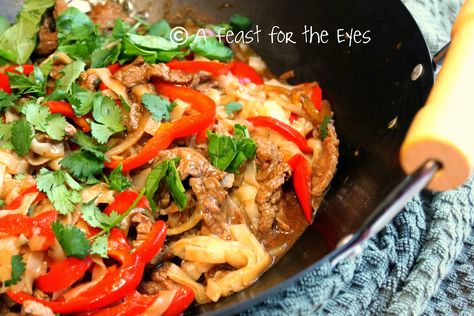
(421, 263)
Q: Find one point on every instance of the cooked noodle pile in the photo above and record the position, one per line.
(139, 177)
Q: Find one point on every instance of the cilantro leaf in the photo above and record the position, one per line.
(18, 42)
(118, 181)
(86, 143)
(73, 25)
(42, 120)
(72, 240)
(23, 137)
(158, 106)
(108, 117)
(211, 48)
(70, 74)
(120, 29)
(18, 268)
(56, 126)
(96, 218)
(81, 100)
(153, 182)
(53, 183)
(77, 35)
(323, 128)
(240, 22)
(229, 153)
(99, 246)
(83, 164)
(233, 107)
(5, 136)
(34, 84)
(105, 56)
(7, 100)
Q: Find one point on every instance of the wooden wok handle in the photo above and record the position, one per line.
(444, 129)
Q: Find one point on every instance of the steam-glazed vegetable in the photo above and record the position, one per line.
(138, 175)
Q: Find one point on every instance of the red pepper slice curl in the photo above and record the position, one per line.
(63, 274)
(5, 83)
(302, 183)
(38, 227)
(116, 285)
(183, 127)
(283, 129)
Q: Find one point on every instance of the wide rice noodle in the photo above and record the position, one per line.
(132, 138)
(98, 273)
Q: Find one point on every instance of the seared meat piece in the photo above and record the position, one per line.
(192, 163)
(139, 72)
(104, 15)
(272, 174)
(89, 80)
(143, 225)
(59, 7)
(158, 282)
(210, 196)
(325, 167)
(47, 39)
(134, 116)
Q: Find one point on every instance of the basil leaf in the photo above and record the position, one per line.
(152, 42)
(18, 42)
(73, 25)
(153, 182)
(105, 56)
(240, 22)
(176, 186)
(211, 48)
(161, 29)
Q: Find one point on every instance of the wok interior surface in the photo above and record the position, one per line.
(369, 88)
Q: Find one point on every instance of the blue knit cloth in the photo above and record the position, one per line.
(421, 263)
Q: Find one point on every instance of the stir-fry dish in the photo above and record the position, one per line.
(139, 176)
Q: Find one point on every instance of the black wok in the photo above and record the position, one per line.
(372, 93)
(368, 87)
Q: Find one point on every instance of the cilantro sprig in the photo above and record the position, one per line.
(108, 117)
(62, 190)
(229, 153)
(73, 241)
(18, 268)
(159, 107)
(42, 120)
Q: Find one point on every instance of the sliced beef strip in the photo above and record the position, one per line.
(139, 72)
(325, 167)
(105, 14)
(205, 181)
(272, 173)
(158, 282)
(47, 39)
(143, 225)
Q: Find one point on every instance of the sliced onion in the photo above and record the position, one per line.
(192, 221)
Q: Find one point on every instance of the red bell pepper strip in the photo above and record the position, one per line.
(116, 284)
(283, 129)
(124, 200)
(137, 303)
(134, 304)
(27, 69)
(63, 274)
(183, 127)
(317, 97)
(118, 241)
(181, 301)
(33, 227)
(193, 67)
(5, 83)
(302, 183)
(245, 73)
(114, 68)
(66, 109)
(16, 203)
